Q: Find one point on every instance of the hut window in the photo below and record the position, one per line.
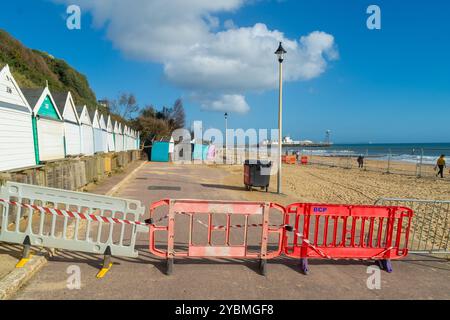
(8, 89)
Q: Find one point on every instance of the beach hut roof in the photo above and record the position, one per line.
(36, 98)
(61, 100)
(109, 124)
(32, 95)
(19, 102)
(102, 121)
(95, 119)
(64, 100)
(83, 115)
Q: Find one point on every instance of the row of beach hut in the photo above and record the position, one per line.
(37, 126)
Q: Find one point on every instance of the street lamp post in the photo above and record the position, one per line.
(280, 53)
(226, 136)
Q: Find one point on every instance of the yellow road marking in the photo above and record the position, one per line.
(22, 262)
(103, 272)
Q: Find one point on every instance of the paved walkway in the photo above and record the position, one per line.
(144, 278)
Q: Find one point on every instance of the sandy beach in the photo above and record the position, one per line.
(314, 183)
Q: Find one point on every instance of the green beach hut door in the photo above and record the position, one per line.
(50, 131)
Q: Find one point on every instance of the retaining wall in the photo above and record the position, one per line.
(75, 173)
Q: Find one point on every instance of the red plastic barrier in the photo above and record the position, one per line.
(347, 232)
(304, 160)
(200, 210)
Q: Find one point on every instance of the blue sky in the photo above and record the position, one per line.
(388, 85)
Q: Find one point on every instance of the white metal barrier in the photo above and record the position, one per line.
(53, 218)
(430, 229)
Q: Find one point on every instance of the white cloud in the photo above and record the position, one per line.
(197, 56)
(226, 103)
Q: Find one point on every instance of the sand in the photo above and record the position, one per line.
(314, 183)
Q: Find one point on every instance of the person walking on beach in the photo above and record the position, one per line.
(440, 163)
(360, 162)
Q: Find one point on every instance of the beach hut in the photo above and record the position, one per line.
(118, 137)
(16, 130)
(138, 140)
(48, 124)
(102, 120)
(98, 136)
(86, 131)
(133, 139)
(130, 140)
(110, 138)
(160, 151)
(125, 138)
(72, 130)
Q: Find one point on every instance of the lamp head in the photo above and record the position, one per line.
(280, 52)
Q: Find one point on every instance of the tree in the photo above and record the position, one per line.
(125, 106)
(160, 123)
(178, 116)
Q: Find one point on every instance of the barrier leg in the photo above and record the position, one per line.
(385, 265)
(169, 266)
(107, 264)
(263, 266)
(304, 265)
(25, 253)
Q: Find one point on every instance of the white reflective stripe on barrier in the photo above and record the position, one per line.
(73, 214)
(45, 216)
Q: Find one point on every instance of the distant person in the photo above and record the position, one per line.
(360, 162)
(297, 155)
(440, 164)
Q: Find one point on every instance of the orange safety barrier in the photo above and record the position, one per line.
(289, 159)
(347, 232)
(198, 210)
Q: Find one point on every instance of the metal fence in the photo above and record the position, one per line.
(412, 162)
(430, 230)
(386, 162)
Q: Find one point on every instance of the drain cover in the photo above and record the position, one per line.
(170, 188)
(141, 178)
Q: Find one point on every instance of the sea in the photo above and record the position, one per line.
(403, 152)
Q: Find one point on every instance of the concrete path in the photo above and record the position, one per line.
(143, 278)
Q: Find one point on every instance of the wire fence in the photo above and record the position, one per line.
(418, 163)
(430, 229)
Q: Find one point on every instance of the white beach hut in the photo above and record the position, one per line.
(98, 137)
(16, 130)
(138, 140)
(118, 137)
(49, 124)
(72, 130)
(110, 130)
(103, 126)
(86, 131)
(130, 139)
(134, 140)
(125, 138)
